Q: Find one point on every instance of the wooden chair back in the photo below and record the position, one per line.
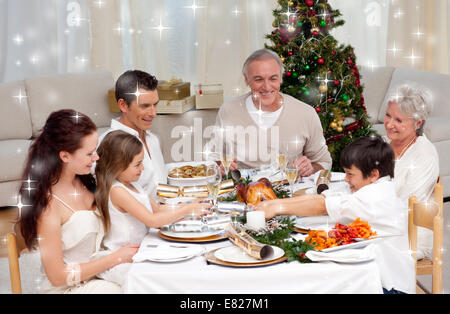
(15, 245)
(428, 215)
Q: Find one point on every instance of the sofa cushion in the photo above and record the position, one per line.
(437, 129)
(15, 122)
(437, 83)
(13, 154)
(443, 149)
(8, 193)
(376, 83)
(84, 92)
(379, 128)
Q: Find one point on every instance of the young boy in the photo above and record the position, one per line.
(369, 166)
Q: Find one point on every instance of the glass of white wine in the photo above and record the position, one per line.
(282, 161)
(291, 173)
(214, 179)
(227, 158)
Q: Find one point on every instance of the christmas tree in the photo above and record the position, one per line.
(319, 71)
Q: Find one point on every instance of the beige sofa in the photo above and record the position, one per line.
(379, 83)
(23, 117)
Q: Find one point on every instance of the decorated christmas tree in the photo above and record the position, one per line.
(319, 71)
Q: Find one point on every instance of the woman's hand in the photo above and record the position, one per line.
(125, 254)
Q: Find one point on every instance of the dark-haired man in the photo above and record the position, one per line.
(137, 98)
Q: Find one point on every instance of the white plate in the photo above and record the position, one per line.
(315, 223)
(234, 254)
(186, 181)
(191, 235)
(179, 200)
(355, 245)
(172, 260)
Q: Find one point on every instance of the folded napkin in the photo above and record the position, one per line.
(166, 252)
(335, 176)
(344, 255)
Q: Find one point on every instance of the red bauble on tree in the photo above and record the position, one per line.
(309, 3)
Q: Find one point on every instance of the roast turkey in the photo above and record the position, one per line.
(255, 192)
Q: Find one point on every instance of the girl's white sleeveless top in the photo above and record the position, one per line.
(125, 229)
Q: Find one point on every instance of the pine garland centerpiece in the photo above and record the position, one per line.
(278, 233)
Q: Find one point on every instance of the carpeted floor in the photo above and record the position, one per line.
(30, 262)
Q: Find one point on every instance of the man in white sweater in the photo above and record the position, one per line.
(263, 123)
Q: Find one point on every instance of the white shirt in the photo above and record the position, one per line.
(378, 204)
(154, 168)
(415, 174)
(263, 119)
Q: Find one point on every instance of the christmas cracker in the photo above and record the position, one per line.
(243, 240)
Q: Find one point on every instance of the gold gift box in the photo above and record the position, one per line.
(209, 96)
(176, 106)
(169, 90)
(113, 106)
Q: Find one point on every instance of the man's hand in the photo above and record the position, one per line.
(233, 166)
(304, 166)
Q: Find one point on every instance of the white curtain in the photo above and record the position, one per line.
(365, 28)
(199, 41)
(202, 41)
(40, 37)
(408, 33)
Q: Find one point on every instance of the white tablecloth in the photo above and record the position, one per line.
(194, 276)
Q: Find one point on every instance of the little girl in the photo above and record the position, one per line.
(130, 210)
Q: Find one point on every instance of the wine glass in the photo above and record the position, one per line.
(213, 181)
(291, 173)
(282, 160)
(227, 157)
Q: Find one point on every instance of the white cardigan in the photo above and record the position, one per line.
(416, 173)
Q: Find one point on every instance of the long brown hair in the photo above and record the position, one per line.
(116, 152)
(63, 131)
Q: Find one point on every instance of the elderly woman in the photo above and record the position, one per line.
(417, 161)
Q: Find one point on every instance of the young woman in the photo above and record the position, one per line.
(130, 210)
(59, 213)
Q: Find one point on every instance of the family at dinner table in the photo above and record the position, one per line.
(87, 238)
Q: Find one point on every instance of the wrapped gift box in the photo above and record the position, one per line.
(176, 106)
(173, 90)
(113, 106)
(209, 96)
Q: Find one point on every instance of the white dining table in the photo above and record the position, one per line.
(196, 276)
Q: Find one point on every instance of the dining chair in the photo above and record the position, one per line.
(15, 246)
(423, 215)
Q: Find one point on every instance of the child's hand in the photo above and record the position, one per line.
(268, 208)
(125, 253)
(199, 207)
